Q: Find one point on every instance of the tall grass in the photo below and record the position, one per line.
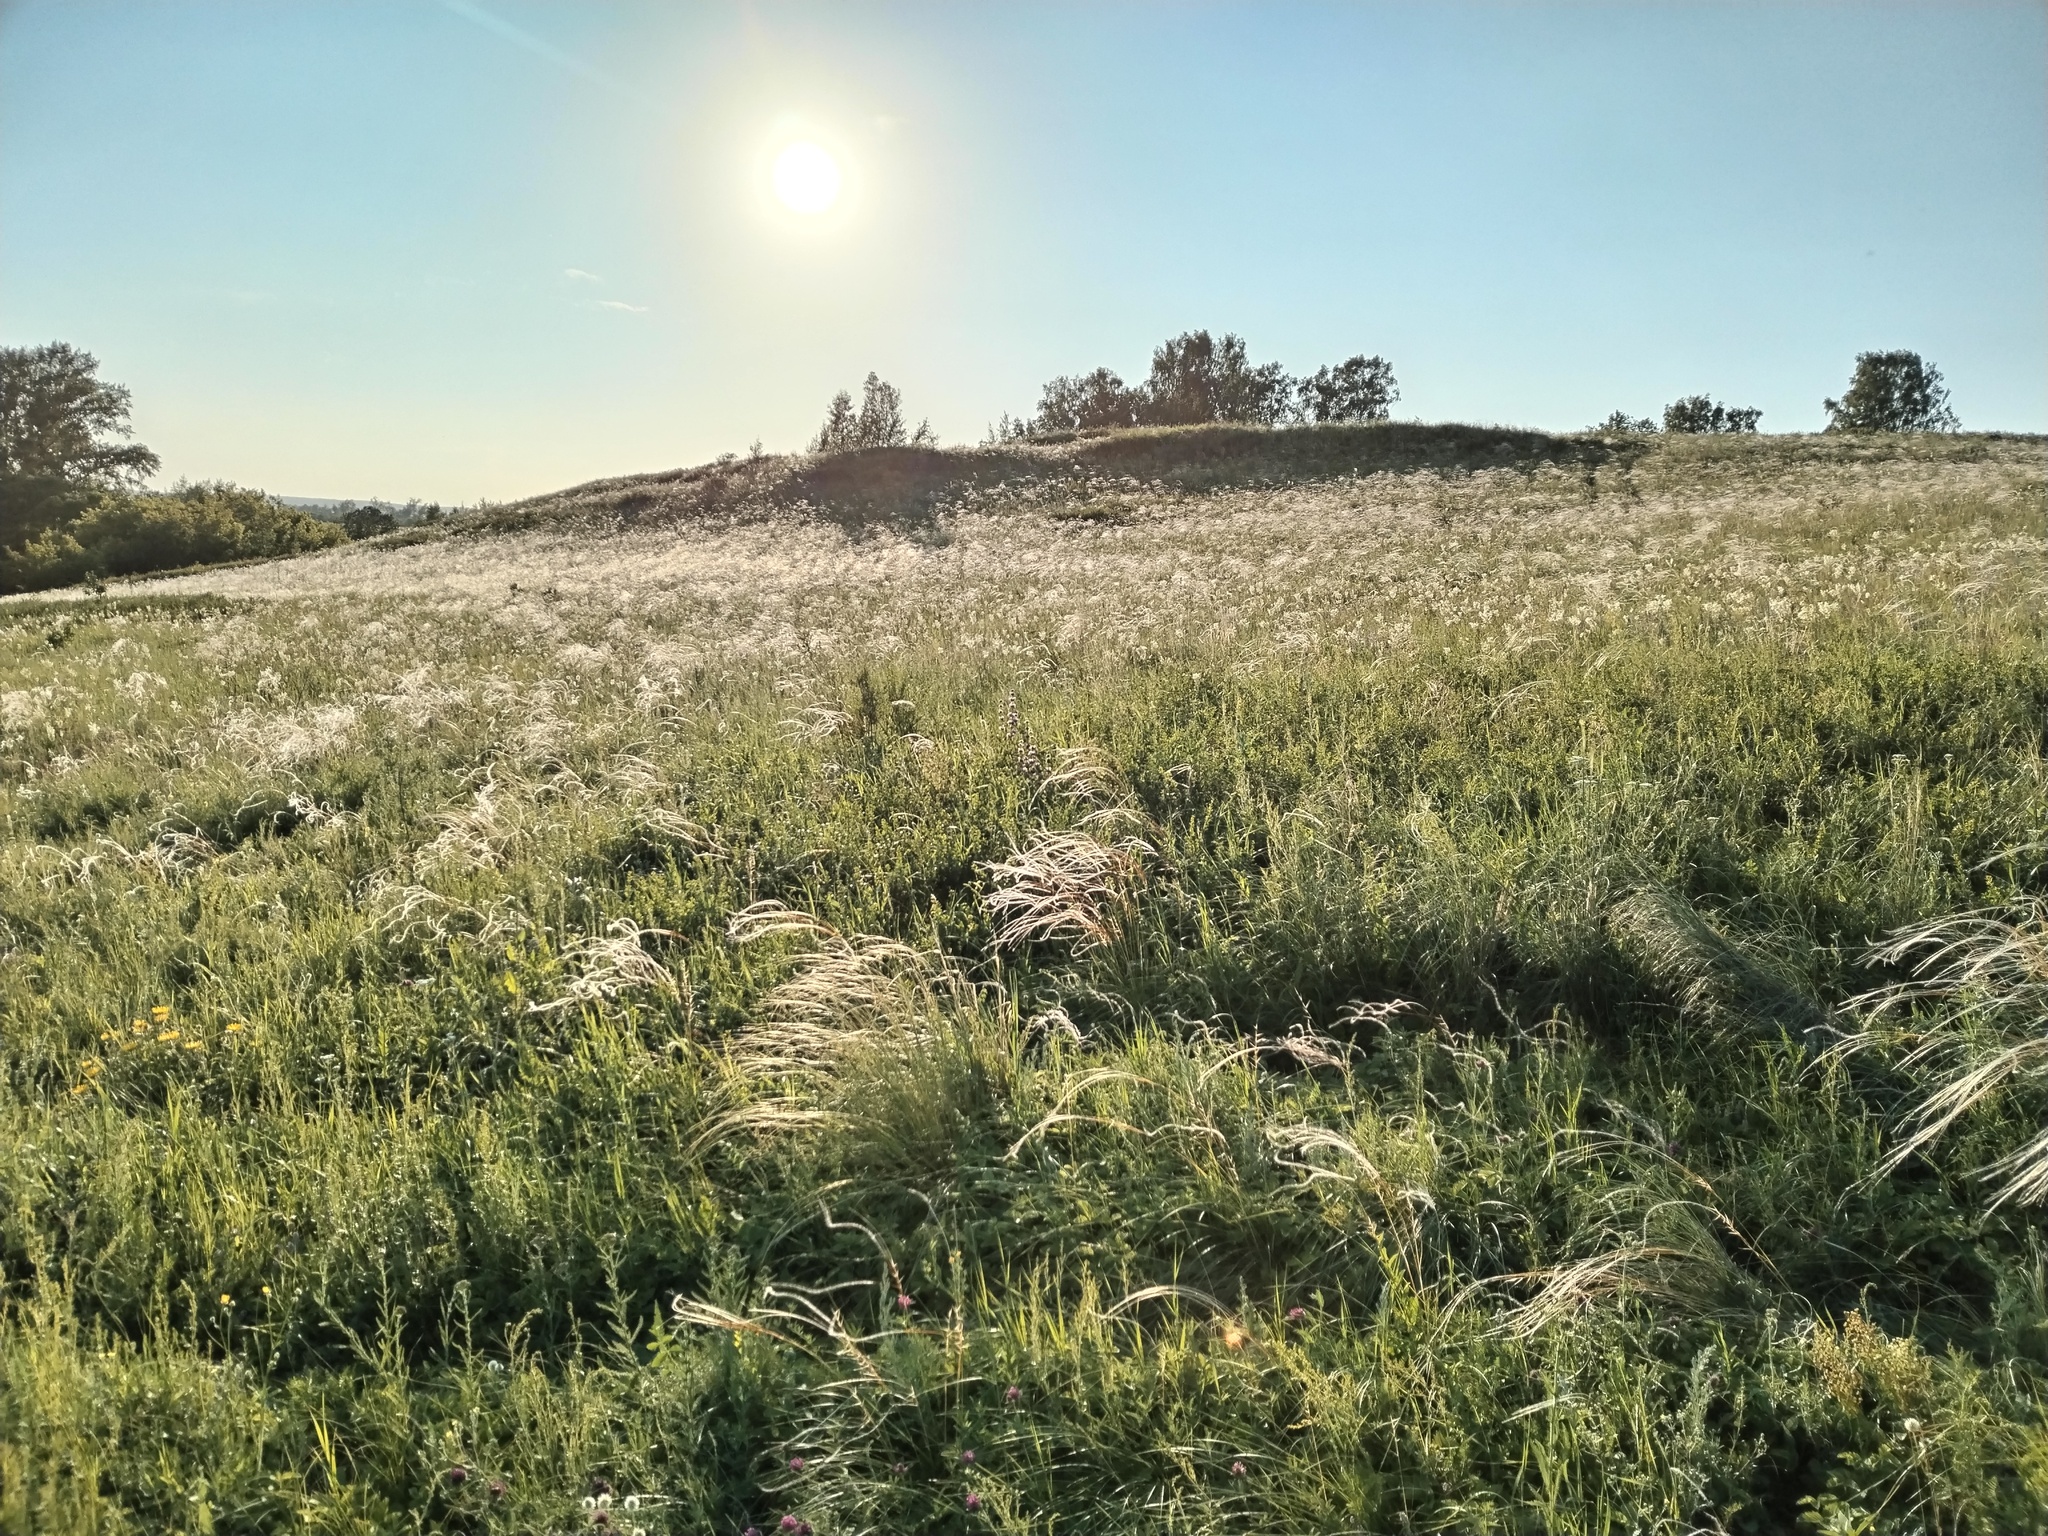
(1315, 1007)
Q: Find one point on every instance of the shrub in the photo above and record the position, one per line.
(1892, 392)
(1098, 399)
(1621, 421)
(129, 534)
(1696, 413)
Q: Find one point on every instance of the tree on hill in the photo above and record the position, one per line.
(367, 521)
(877, 424)
(1358, 389)
(60, 431)
(1196, 378)
(1621, 421)
(1892, 392)
(1697, 413)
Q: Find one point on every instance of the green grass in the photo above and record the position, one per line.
(1419, 1117)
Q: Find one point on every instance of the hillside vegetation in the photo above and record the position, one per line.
(1195, 980)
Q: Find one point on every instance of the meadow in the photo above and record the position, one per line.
(1343, 979)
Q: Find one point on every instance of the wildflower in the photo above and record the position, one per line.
(1233, 1336)
(169, 1034)
(796, 1463)
(973, 1502)
(497, 1488)
(967, 1458)
(266, 1290)
(902, 1303)
(138, 1028)
(632, 1501)
(160, 1012)
(1237, 1469)
(235, 1026)
(1296, 1314)
(226, 1300)
(900, 1469)
(752, 1530)
(788, 1523)
(458, 1474)
(1012, 1394)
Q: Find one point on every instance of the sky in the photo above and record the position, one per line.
(464, 249)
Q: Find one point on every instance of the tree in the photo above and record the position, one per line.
(878, 423)
(58, 428)
(1196, 378)
(56, 419)
(1358, 389)
(1092, 400)
(367, 521)
(1696, 413)
(1892, 392)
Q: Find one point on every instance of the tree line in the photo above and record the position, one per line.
(1888, 392)
(72, 503)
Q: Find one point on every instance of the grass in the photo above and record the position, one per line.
(1314, 981)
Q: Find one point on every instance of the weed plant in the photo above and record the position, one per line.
(1141, 985)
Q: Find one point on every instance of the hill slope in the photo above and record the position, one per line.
(1206, 980)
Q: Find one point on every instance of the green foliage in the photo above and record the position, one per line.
(1696, 413)
(877, 424)
(367, 521)
(1372, 1084)
(1892, 392)
(126, 534)
(1196, 379)
(56, 419)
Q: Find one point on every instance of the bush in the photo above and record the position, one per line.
(129, 534)
(1621, 421)
(1696, 413)
(1892, 392)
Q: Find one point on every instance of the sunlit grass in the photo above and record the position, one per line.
(1248, 990)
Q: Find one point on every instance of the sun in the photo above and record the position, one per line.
(806, 178)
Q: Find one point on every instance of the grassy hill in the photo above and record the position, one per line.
(1206, 980)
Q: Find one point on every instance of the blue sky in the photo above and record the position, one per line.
(466, 248)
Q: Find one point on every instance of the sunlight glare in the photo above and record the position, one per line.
(806, 178)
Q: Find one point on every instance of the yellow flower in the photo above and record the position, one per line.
(195, 1045)
(160, 1012)
(226, 1300)
(235, 1026)
(138, 1027)
(169, 1034)
(266, 1290)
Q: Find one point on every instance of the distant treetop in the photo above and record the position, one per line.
(877, 424)
(1892, 392)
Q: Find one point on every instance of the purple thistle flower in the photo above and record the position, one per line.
(788, 1523)
(1012, 1394)
(973, 1502)
(796, 1463)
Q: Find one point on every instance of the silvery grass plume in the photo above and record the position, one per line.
(1711, 975)
(1975, 1017)
(610, 964)
(888, 1048)
(1071, 884)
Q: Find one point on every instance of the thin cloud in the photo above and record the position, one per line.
(577, 274)
(541, 48)
(631, 309)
